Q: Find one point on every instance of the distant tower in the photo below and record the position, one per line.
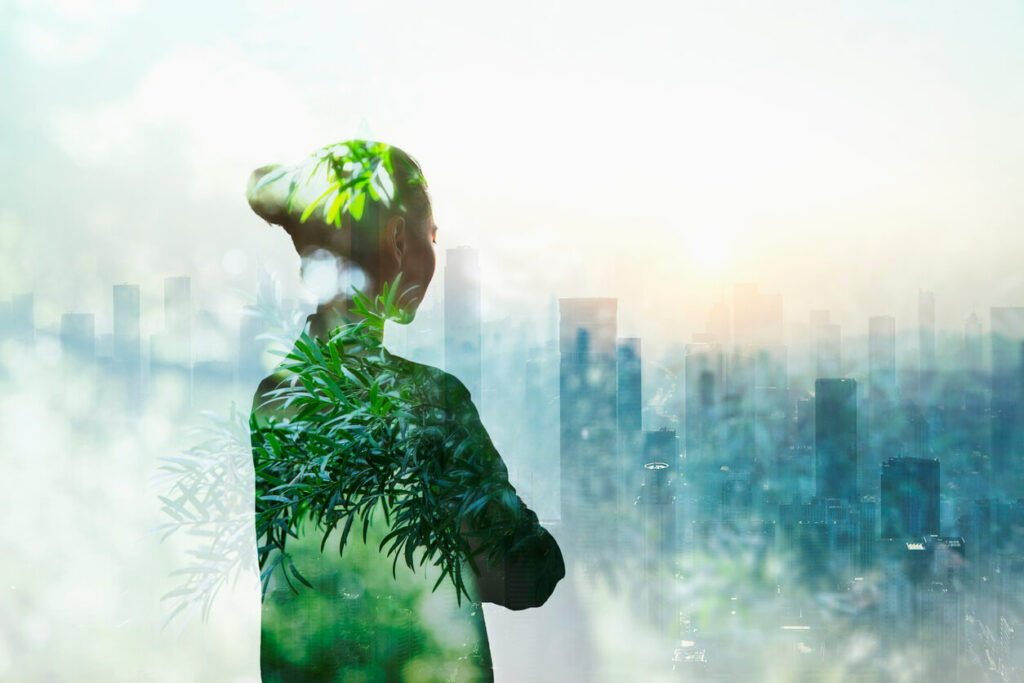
(462, 332)
(835, 438)
(973, 343)
(881, 400)
(926, 364)
(630, 386)
(657, 499)
(974, 395)
(752, 385)
(656, 503)
(1007, 332)
(704, 383)
(127, 342)
(771, 393)
(910, 498)
(630, 400)
(588, 384)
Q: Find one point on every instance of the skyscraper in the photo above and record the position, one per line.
(835, 438)
(462, 333)
(704, 385)
(540, 415)
(127, 342)
(771, 385)
(972, 343)
(751, 376)
(1007, 330)
(657, 507)
(629, 384)
(926, 347)
(881, 400)
(973, 367)
(630, 398)
(1007, 335)
(588, 384)
(910, 498)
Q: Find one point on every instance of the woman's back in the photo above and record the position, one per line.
(366, 615)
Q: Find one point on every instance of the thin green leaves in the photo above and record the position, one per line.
(353, 171)
(364, 432)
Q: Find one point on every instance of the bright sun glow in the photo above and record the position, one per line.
(710, 251)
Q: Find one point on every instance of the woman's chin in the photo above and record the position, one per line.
(405, 316)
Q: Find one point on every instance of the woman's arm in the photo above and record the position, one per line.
(529, 563)
(526, 574)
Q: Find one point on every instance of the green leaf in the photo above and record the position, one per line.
(312, 206)
(355, 208)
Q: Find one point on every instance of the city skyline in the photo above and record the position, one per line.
(770, 194)
(891, 443)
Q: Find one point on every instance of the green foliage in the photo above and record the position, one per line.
(353, 171)
(208, 497)
(207, 502)
(350, 435)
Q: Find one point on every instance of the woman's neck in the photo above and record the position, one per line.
(330, 315)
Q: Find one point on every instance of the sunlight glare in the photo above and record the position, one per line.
(710, 251)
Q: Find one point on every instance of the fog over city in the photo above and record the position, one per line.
(736, 290)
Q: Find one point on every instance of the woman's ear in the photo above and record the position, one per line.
(396, 236)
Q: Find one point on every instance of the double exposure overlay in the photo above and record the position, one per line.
(556, 342)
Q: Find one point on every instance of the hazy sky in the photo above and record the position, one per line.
(846, 156)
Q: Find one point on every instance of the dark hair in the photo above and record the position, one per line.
(409, 199)
(363, 185)
(412, 197)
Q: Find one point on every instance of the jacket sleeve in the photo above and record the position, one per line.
(529, 563)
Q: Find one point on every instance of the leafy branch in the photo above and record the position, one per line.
(353, 171)
(207, 501)
(350, 435)
(208, 497)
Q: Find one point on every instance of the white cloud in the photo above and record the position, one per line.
(219, 111)
(66, 32)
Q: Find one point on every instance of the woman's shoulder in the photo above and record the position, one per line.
(433, 382)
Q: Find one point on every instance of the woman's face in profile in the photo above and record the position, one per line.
(418, 261)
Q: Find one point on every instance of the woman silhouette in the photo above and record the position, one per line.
(364, 615)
